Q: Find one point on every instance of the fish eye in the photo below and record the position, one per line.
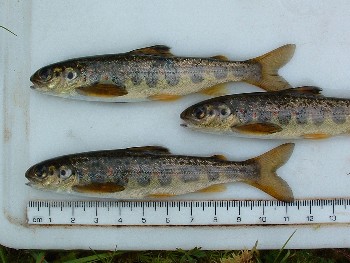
(65, 172)
(199, 113)
(45, 74)
(71, 74)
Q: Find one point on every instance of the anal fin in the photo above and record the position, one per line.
(164, 97)
(213, 189)
(316, 136)
(216, 90)
(160, 195)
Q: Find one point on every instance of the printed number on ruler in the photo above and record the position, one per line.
(188, 212)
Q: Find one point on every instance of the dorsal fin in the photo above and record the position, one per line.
(220, 57)
(149, 149)
(219, 157)
(305, 90)
(157, 50)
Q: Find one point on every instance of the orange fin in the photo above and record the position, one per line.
(217, 90)
(267, 180)
(257, 128)
(102, 90)
(213, 189)
(160, 195)
(157, 50)
(220, 57)
(219, 157)
(98, 188)
(150, 149)
(316, 136)
(270, 63)
(164, 97)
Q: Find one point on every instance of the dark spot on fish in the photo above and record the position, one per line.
(221, 73)
(339, 115)
(121, 178)
(213, 176)
(196, 77)
(190, 177)
(301, 116)
(172, 76)
(318, 115)
(144, 178)
(264, 115)
(244, 114)
(152, 75)
(284, 116)
(118, 80)
(164, 179)
(136, 77)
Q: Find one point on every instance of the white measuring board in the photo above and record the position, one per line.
(188, 213)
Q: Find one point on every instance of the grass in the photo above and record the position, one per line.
(7, 30)
(195, 255)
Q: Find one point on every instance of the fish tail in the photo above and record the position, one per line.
(270, 64)
(268, 181)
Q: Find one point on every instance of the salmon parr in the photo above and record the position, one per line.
(289, 114)
(143, 172)
(154, 73)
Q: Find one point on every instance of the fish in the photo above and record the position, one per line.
(154, 73)
(297, 113)
(153, 172)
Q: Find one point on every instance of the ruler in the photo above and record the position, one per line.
(188, 213)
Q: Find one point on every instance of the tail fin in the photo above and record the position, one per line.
(270, 64)
(268, 180)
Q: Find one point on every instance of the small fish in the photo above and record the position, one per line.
(152, 171)
(301, 112)
(154, 73)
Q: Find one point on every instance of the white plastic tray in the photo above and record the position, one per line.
(36, 127)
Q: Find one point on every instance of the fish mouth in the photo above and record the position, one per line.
(32, 87)
(184, 125)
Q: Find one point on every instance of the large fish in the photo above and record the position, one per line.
(153, 73)
(143, 172)
(289, 114)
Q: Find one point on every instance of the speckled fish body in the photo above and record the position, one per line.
(290, 114)
(153, 73)
(137, 173)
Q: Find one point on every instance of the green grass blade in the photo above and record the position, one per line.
(284, 245)
(39, 257)
(95, 258)
(8, 30)
(3, 255)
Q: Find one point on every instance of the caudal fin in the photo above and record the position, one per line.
(268, 180)
(270, 64)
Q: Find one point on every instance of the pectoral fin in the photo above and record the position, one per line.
(157, 50)
(98, 188)
(102, 90)
(219, 157)
(316, 136)
(160, 195)
(257, 128)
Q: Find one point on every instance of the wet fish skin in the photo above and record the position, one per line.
(153, 73)
(299, 113)
(143, 172)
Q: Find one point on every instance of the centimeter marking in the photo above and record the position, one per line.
(189, 213)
